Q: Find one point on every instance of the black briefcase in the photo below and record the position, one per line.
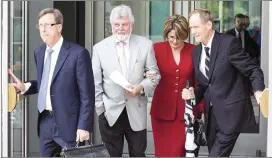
(86, 151)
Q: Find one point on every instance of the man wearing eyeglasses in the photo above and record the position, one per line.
(65, 87)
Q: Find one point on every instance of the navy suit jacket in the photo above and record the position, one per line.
(71, 91)
(226, 88)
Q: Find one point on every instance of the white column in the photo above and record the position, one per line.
(4, 79)
(0, 79)
(269, 121)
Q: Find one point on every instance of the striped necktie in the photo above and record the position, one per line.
(207, 61)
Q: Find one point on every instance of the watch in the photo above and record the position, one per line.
(142, 92)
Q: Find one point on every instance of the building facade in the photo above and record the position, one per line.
(87, 23)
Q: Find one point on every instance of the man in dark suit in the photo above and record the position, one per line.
(65, 88)
(249, 45)
(220, 65)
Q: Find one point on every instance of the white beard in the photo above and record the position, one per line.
(121, 37)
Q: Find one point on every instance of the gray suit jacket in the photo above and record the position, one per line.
(109, 96)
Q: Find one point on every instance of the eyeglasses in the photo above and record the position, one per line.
(46, 26)
(171, 38)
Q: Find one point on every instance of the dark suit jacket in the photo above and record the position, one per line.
(250, 45)
(225, 88)
(72, 89)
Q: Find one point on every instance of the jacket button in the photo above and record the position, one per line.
(177, 70)
(176, 90)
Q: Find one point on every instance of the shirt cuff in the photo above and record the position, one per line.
(27, 86)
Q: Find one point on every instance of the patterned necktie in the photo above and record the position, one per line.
(123, 58)
(44, 82)
(207, 61)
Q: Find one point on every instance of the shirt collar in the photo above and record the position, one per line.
(57, 46)
(209, 44)
(238, 31)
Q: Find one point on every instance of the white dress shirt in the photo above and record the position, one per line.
(242, 36)
(126, 49)
(203, 56)
(54, 57)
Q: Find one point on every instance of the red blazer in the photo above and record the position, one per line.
(167, 96)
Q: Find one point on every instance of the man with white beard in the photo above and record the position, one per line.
(122, 110)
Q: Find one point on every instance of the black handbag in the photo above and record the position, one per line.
(200, 136)
(86, 151)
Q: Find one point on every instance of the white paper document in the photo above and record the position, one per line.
(119, 79)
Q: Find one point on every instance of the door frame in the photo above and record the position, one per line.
(4, 144)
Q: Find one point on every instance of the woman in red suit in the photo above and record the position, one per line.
(167, 110)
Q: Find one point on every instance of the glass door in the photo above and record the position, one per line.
(17, 63)
(251, 142)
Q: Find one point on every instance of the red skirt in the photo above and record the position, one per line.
(169, 137)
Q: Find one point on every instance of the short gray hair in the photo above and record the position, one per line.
(204, 14)
(121, 11)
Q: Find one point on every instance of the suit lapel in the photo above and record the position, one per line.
(198, 51)
(214, 51)
(61, 58)
(246, 36)
(133, 50)
(112, 53)
(198, 56)
(40, 61)
(233, 32)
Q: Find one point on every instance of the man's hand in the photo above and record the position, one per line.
(16, 82)
(258, 95)
(188, 93)
(136, 89)
(82, 135)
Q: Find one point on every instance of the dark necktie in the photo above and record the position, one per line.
(239, 37)
(207, 61)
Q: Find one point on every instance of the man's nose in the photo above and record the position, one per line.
(193, 32)
(121, 28)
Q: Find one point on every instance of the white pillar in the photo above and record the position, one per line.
(269, 121)
(0, 79)
(4, 79)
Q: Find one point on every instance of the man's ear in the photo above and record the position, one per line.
(60, 27)
(209, 24)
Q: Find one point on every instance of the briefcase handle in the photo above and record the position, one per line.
(77, 143)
